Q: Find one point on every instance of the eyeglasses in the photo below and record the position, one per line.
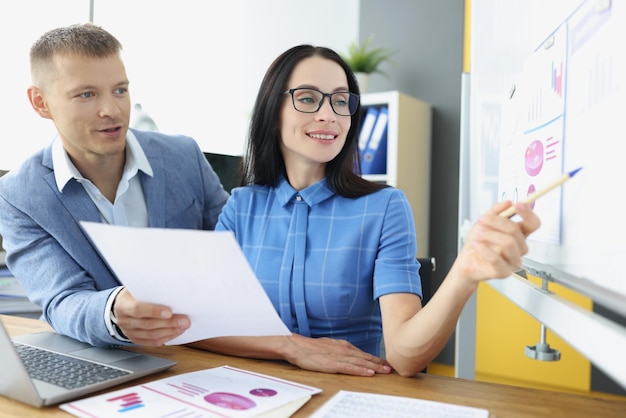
(304, 100)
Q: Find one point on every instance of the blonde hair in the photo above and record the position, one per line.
(86, 40)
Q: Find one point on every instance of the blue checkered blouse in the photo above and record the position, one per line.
(324, 259)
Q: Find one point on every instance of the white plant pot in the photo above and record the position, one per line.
(363, 80)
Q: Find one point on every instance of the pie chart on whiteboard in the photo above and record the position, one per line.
(533, 161)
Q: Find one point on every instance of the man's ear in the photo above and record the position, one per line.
(38, 102)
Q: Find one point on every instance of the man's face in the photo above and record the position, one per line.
(89, 103)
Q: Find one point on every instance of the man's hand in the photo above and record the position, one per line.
(146, 323)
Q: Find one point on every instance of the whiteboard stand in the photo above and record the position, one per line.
(542, 351)
(465, 334)
(465, 342)
(599, 339)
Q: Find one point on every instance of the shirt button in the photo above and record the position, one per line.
(299, 198)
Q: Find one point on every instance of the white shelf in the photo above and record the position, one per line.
(408, 155)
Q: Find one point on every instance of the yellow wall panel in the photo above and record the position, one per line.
(503, 330)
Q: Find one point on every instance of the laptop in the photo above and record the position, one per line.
(112, 367)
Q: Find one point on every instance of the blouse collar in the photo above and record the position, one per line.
(312, 195)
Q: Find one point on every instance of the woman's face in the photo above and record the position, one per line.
(310, 140)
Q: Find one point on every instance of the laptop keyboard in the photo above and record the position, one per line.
(64, 371)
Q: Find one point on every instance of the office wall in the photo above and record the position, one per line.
(21, 22)
(201, 68)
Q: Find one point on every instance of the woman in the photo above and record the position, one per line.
(334, 252)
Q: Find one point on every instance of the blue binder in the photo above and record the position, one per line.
(367, 126)
(374, 159)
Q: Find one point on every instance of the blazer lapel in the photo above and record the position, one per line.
(74, 197)
(66, 226)
(154, 187)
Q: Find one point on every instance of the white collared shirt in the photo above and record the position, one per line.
(129, 208)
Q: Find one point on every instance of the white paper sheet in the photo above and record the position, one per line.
(203, 274)
(347, 404)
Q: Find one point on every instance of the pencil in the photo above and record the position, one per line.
(510, 211)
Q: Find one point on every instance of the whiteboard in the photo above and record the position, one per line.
(548, 96)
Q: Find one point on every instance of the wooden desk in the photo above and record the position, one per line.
(502, 401)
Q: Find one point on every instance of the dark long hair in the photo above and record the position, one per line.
(264, 164)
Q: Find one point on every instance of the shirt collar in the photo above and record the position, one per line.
(65, 170)
(312, 195)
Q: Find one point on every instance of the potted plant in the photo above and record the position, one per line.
(364, 60)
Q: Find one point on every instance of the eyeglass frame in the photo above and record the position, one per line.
(321, 103)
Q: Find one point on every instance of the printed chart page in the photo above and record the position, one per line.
(219, 392)
(346, 404)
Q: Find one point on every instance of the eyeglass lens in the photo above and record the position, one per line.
(310, 101)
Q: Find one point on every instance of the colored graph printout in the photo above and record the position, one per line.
(219, 392)
(531, 151)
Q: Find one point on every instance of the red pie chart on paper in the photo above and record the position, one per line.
(230, 401)
(264, 393)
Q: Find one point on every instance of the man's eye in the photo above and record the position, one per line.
(86, 94)
(121, 90)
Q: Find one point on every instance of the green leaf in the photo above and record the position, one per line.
(366, 59)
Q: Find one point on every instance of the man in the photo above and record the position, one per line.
(96, 169)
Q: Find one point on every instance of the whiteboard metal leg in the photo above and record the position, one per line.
(465, 342)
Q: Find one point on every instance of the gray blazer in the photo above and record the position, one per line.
(52, 257)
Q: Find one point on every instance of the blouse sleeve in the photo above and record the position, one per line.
(396, 269)
(226, 218)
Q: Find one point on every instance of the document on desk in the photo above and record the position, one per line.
(218, 392)
(347, 404)
(203, 274)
